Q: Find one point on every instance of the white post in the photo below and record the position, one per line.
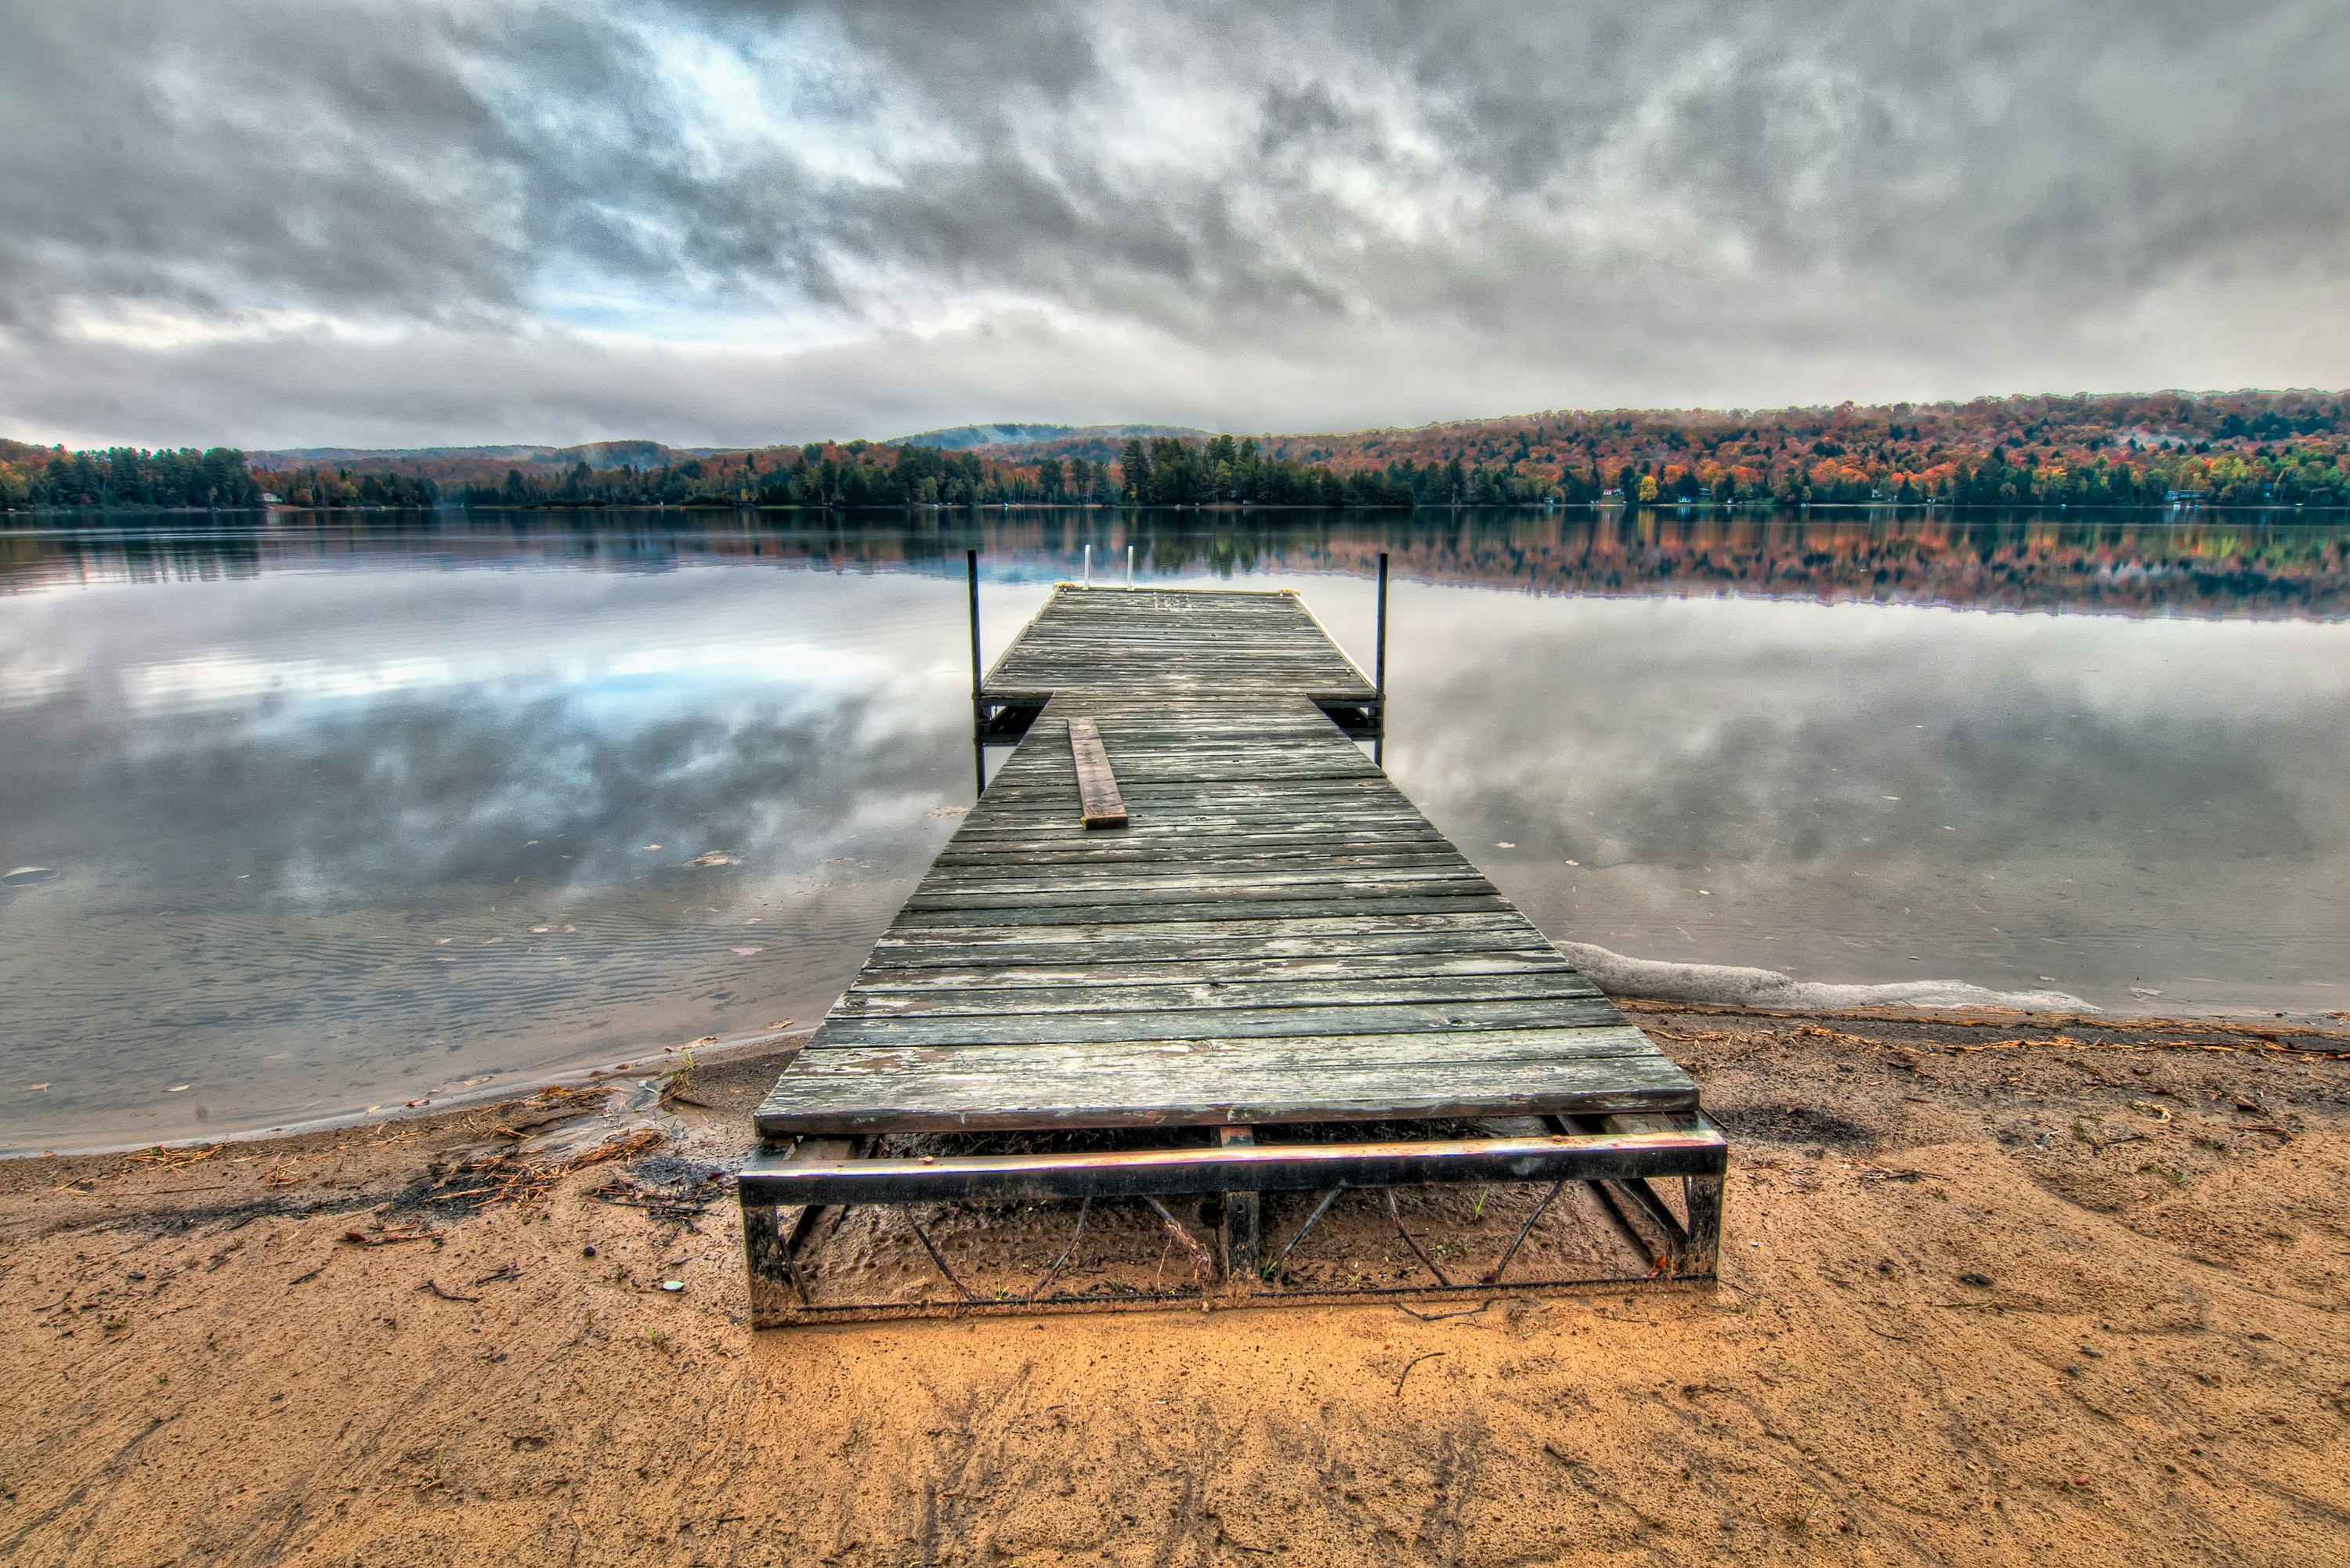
(1089, 566)
(1129, 566)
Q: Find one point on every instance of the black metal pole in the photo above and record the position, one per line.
(1379, 670)
(978, 707)
(970, 569)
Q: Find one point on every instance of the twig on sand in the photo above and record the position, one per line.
(626, 1195)
(434, 1286)
(386, 1238)
(161, 1159)
(1440, 1316)
(1410, 1364)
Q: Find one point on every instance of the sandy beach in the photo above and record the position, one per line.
(1993, 1289)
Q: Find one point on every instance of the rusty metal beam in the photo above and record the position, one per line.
(1264, 1168)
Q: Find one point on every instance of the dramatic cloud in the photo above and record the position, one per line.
(718, 222)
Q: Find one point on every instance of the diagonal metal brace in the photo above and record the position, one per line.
(1319, 1209)
(1066, 1252)
(1493, 1276)
(934, 1252)
(1395, 1211)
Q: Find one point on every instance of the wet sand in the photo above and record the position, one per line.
(1981, 1302)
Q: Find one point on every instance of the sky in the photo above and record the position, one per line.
(288, 222)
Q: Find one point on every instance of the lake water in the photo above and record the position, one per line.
(312, 816)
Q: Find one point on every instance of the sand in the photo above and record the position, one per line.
(1980, 1303)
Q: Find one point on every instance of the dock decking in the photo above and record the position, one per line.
(1177, 642)
(1277, 937)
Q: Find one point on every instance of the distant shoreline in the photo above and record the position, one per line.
(2164, 509)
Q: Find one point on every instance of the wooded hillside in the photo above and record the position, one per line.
(2231, 448)
(124, 476)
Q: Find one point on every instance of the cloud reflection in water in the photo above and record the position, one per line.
(346, 811)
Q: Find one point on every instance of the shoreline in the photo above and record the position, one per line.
(1633, 983)
(672, 1059)
(640, 1087)
(1983, 1299)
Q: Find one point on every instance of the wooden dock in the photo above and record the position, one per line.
(1270, 939)
(1171, 642)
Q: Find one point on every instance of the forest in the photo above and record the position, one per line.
(2229, 449)
(1172, 471)
(327, 488)
(2249, 449)
(823, 475)
(1166, 470)
(125, 476)
(2233, 448)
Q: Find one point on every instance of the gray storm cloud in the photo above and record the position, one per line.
(477, 220)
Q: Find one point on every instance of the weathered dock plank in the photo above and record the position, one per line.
(1129, 1083)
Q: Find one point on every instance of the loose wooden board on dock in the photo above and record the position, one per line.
(1099, 801)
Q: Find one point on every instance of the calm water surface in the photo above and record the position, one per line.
(310, 816)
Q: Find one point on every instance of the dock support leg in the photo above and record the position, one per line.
(1702, 1253)
(773, 1235)
(1242, 1214)
(768, 1232)
(1694, 1248)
